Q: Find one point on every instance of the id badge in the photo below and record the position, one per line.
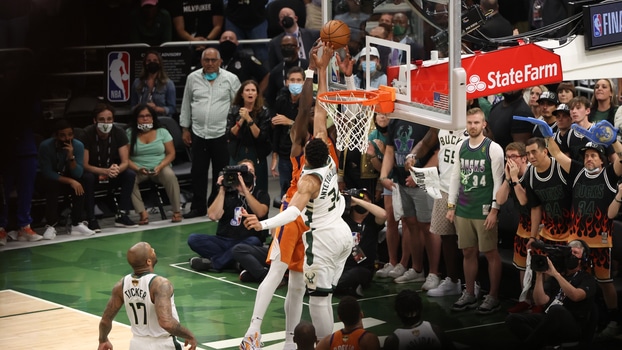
(555, 302)
(485, 209)
(103, 179)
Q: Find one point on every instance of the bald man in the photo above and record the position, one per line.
(304, 336)
(149, 304)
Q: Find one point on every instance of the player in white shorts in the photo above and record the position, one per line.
(149, 303)
(328, 242)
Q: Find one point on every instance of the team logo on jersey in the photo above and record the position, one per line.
(134, 282)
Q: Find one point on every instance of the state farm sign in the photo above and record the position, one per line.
(488, 73)
(511, 69)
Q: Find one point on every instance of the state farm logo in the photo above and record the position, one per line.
(475, 84)
(507, 79)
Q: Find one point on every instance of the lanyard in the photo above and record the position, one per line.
(99, 161)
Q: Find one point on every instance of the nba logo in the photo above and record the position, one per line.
(598, 27)
(237, 217)
(118, 76)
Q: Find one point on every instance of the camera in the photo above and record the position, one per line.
(557, 253)
(353, 192)
(230, 176)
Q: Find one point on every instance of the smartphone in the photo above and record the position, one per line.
(151, 172)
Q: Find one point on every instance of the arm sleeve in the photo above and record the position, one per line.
(496, 160)
(285, 217)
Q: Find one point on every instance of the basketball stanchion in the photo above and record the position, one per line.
(352, 112)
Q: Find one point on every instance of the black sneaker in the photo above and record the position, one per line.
(194, 213)
(124, 221)
(245, 276)
(94, 226)
(200, 264)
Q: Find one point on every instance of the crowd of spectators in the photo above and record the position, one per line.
(239, 106)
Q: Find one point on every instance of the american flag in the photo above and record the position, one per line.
(441, 101)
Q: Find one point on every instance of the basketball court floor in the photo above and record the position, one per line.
(52, 294)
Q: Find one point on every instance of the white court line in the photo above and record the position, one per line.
(368, 322)
(76, 310)
(220, 278)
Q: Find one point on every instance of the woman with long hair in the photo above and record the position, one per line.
(153, 87)
(151, 153)
(604, 105)
(534, 95)
(248, 130)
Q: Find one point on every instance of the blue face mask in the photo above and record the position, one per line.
(372, 66)
(294, 88)
(210, 76)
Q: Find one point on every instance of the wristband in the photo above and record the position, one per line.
(309, 73)
(350, 83)
(619, 201)
(251, 123)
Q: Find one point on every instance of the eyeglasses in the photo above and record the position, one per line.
(513, 156)
(289, 46)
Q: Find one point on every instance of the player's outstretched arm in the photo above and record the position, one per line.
(300, 131)
(319, 119)
(162, 291)
(112, 308)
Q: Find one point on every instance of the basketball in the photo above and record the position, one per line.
(335, 32)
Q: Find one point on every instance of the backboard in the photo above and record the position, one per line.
(437, 102)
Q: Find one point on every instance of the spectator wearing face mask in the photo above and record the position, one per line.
(290, 58)
(304, 37)
(376, 74)
(243, 65)
(153, 87)
(285, 110)
(106, 162)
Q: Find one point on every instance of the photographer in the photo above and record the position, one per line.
(366, 220)
(568, 298)
(237, 191)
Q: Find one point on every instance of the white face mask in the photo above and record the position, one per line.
(145, 127)
(104, 127)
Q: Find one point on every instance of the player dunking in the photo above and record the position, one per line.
(328, 242)
(149, 303)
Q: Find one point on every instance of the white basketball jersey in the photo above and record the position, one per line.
(421, 337)
(140, 309)
(447, 140)
(329, 204)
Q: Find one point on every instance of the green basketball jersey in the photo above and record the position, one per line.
(476, 181)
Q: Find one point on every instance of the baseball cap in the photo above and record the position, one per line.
(561, 108)
(598, 148)
(372, 52)
(148, 2)
(548, 96)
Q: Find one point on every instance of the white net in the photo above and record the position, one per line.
(352, 117)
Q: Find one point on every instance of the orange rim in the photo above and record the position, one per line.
(366, 98)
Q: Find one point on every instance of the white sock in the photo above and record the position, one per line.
(265, 293)
(293, 303)
(321, 315)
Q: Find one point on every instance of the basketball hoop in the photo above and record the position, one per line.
(352, 112)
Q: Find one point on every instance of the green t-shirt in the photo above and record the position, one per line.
(149, 155)
(598, 116)
(476, 181)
